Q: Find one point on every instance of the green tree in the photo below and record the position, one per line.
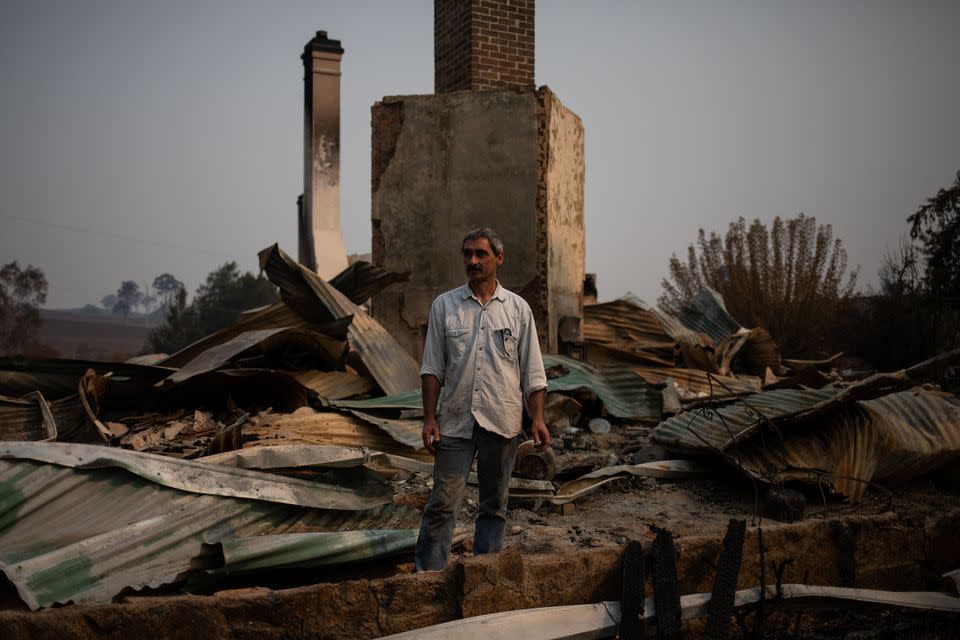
(22, 292)
(128, 296)
(217, 303)
(790, 279)
(936, 227)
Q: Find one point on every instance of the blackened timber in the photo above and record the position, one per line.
(666, 591)
(631, 597)
(720, 609)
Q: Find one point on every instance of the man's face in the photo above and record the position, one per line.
(479, 260)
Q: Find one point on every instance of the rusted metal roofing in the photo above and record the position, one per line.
(334, 385)
(716, 428)
(671, 325)
(362, 280)
(33, 418)
(194, 476)
(625, 326)
(311, 296)
(623, 392)
(886, 440)
(308, 426)
(694, 384)
(86, 535)
(707, 314)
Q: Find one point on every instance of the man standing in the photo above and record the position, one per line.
(482, 348)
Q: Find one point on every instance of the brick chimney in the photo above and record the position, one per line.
(321, 242)
(483, 44)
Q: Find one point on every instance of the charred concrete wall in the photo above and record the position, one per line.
(562, 183)
(445, 164)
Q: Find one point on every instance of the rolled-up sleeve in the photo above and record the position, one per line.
(434, 350)
(532, 376)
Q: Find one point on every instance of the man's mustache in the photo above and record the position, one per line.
(474, 268)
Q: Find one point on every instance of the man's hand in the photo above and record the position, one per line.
(541, 435)
(431, 434)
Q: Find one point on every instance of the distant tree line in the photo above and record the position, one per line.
(217, 303)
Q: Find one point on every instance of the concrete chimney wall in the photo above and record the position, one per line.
(321, 242)
(483, 44)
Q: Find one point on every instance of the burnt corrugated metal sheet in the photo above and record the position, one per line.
(887, 440)
(715, 428)
(307, 426)
(304, 291)
(310, 550)
(624, 326)
(624, 394)
(334, 385)
(33, 418)
(693, 384)
(671, 325)
(194, 476)
(707, 314)
(85, 535)
(362, 280)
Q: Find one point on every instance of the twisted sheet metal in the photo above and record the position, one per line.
(362, 280)
(706, 313)
(334, 385)
(716, 428)
(623, 392)
(194, 476)
(623, 326)
(307, 426)
(85, 535)
(694, 384)
(887, 440)
(311, 296)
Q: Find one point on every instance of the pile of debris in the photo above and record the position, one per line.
(291, 439)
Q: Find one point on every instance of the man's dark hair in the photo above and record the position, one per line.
(485, 232)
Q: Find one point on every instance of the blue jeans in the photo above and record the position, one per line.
(495, 457)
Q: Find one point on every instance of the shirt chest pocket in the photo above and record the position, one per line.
(505, 343)
(456, 342)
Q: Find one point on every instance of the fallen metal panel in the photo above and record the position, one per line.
(311, 296)
(219, 355)
(707, 314)
(32, 418)
(694, 384)
(623, 326)
(671, 325)
(362, 280)
(276, 315)
(705, 431)
(308, 550)
(590, 482)
(56, 378)
(194, 476)
(84, 535)
(308, 426)
(712, 430)
(887, 440)
(334, 385)
(409, 400)
(623, 392)
(408, 432)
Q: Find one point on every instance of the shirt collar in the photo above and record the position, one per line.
(499, 293)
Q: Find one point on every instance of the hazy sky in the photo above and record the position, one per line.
(145, 137)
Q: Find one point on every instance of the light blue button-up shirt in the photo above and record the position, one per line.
(486, 357)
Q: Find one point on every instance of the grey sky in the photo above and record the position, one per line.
(142, 137)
